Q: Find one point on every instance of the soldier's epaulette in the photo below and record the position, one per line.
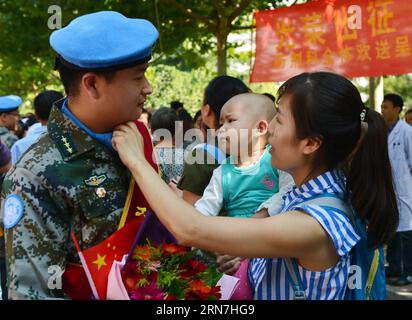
(66, 145)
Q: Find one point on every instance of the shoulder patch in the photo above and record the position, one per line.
(12, 210)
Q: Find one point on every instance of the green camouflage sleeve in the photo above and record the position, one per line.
(36, 246)
(9, 139)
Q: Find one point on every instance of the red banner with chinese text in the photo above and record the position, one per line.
(350, 37)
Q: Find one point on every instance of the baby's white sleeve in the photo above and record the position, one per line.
(275, 203)
(212, 200)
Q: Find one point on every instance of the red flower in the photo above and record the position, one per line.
(144, 252)
(200, 291)
(191, 268)
(197, 265)
(149, 292)
(173, 248)
(131, 280)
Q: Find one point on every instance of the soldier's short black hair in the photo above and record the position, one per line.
(71, 78)
(44, 102)
(396, 99)
(408, 112)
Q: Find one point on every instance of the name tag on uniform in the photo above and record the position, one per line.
(13, 209)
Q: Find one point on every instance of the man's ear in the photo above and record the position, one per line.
(3, 117)
(90, 83)
(312, 144)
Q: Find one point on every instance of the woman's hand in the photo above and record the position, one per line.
(128, 142)
(228, 264)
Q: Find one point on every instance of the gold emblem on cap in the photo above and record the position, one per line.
(101, 192)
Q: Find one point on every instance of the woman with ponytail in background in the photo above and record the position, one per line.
(334, 148)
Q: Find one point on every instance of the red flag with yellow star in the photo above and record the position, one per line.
(90, 279)
(98, 260)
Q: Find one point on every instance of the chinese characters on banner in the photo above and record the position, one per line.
(323, 35)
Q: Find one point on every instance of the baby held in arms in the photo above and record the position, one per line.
(246, 179)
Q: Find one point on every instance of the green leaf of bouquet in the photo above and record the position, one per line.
(165, 278)
(211, 276)
(177, 289)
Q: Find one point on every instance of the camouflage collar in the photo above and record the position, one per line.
(4, 130)
(72, 141)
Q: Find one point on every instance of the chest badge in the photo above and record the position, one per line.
(95, 181)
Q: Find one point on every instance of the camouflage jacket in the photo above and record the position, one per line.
(68, 182)
(7, 137)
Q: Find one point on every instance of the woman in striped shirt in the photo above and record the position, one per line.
(331, 145)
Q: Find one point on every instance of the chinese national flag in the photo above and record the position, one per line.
(98, 260)
(80, 283)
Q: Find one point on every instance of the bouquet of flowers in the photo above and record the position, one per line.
(168, 272)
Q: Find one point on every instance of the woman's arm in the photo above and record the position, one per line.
(190, 197)
(294, 234)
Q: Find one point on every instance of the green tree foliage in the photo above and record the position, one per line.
(170, 83)
(185, 56)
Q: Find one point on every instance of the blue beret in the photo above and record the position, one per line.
(105, 39)
(10, 103)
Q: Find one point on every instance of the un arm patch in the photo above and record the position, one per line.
(12, 210)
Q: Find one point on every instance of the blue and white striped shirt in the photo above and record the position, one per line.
(269, 276)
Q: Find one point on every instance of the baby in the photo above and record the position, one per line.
(246, 179)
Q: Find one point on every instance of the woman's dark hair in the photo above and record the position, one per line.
(176, 105)
(164, 118)
(220, 90)
(199, 114)
(186, 118)
(328, 106)
(43, 103)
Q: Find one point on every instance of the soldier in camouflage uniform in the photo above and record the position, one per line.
(72, 180)
(9, 117)
(8, 137)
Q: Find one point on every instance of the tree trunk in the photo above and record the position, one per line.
(375, 93)
(221, 52)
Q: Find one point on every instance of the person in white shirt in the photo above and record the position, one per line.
(408, 117)
(399, 253)
(42, 106)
